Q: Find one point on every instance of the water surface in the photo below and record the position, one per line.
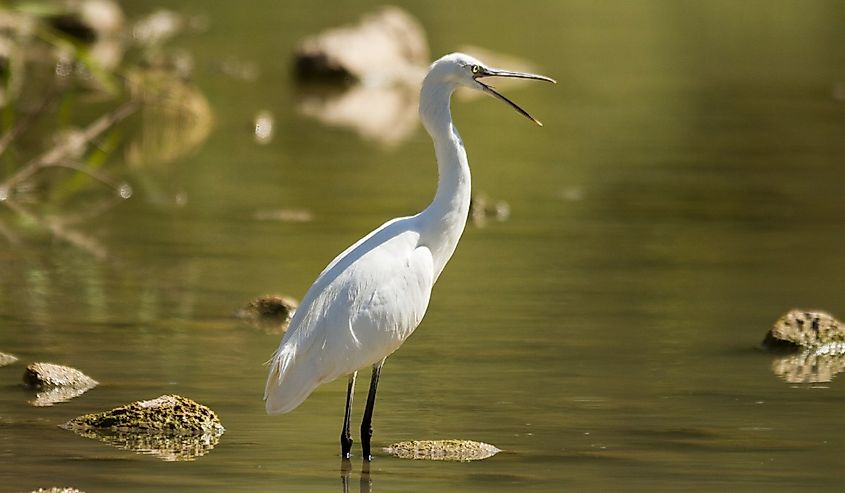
(685, 191)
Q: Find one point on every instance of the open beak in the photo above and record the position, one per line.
(490, 72)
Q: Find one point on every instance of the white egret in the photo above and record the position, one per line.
(372, 296)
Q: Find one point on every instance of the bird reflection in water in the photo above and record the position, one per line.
(365, 484)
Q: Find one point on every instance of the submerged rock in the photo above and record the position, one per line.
(270, 312)
(451, 450)
(7, 359)
(815, 343)
(170, 427)
(56, 383)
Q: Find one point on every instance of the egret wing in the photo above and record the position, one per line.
(359, 310)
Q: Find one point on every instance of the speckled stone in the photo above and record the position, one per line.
(57, 489)
(804, 329)
(814, 343)
(449, 450)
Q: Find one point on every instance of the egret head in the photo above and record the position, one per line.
(461, 70)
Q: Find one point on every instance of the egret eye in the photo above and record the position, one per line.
(475, 69)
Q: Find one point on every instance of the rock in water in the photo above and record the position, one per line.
(270, 312)
(452, 450)
(168, 414)
(7, 359)
(815, 343)
(170, 427)
(43, 375)
(389, 44)
(56, 383)
(807, 329)
(58, 489)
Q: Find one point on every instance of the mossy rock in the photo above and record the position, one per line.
(804, 329)
(167, 414)
(170, 427)
(7, 359)
(448, 450)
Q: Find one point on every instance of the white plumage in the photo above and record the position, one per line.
(372, 296)
(360, 309)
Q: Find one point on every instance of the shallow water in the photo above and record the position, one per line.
(685, 191)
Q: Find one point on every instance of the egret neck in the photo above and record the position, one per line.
(443, 221)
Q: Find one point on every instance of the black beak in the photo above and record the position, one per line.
(489, 72)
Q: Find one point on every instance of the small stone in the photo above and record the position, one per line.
(58, 489)
(482, 208)
(56, 383)
(264, 124)
(270, 312)
(815, 345)
(43, 375)
(7, 359)
(449, 450)
(170, 427)
(804, 329)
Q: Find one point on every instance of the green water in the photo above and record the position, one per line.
(685, 191)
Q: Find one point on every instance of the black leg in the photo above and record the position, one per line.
(345, 436)
(367, 422)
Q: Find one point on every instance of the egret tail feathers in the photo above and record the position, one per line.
(288, 385)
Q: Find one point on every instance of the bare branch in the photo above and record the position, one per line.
(26, 121)
(58, 230)
(61, 151)
(120, 188)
